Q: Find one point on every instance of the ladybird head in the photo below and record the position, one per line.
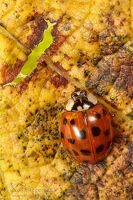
(81, 101)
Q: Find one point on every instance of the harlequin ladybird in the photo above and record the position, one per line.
(86, 129)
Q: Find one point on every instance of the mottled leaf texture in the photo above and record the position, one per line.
(92, 49)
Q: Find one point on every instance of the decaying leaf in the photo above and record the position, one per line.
(92, 49)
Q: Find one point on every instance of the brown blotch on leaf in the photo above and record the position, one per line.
(38, 25)
(58, 40)
(9, 73)
(58, 81)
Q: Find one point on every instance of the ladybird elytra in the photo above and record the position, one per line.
(86, 128)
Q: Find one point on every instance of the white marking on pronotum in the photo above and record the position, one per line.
(86, 107)
(69, 104)
(79, 108)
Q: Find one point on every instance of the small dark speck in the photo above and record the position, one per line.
(71, 64)
(107, 132)
(24, 147)
(75, 152)
(100, 148)
(113, 124)
(76, 79)
(71, 141)
(65, 121)
(62, 135)
(82, 134)
(68, 151)
(86, 73)
(108, 144)
(130, 115)
(85, 161)
(104, 112)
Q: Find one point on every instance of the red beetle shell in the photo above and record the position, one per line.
(88, 135)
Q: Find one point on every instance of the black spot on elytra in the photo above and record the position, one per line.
(62, 135)
(96, 131)
(98, 116)
(71, 141)
(75, 152)
(85, 152)
(82, 134)
(107, 132)
(72, 121)
(65, 121)
(100, 148)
